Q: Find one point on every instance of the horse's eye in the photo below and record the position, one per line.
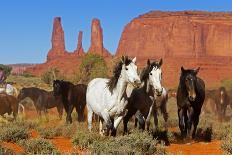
(150, 73)
(126, 68)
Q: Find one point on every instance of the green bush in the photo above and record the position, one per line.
(38, 146)
(227, 144)
(49, 75)
(13, 133)
(6, 151)
(92, 66)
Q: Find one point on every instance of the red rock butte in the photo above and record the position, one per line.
(186, 38)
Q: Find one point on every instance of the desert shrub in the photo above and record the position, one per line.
(135, 143)
(49, 75)
(83, 139)
(27, 74)
(7, 151)
(49, 132)
(92, 66)
(6, 69)
(13, 133)
(227, 144)
(61, 130)
(38, 146)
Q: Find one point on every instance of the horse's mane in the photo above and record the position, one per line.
(145, 72)
(116, 73)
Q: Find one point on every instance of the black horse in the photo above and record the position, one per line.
(190, 98)
(42, 99)
(72, 96)
(141, 101)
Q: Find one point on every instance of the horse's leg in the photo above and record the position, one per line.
(60, 111)
(181, 121)
(190, 120)
(195, 123)
(155, 115)
(129, 114)
(165, 116)
(105, 115)
(116, 123)
(90, 117)
(101, 126)
(69, 114)
(80, 112)
(141, 119)
(148, 118)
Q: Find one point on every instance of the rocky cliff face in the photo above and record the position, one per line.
(185, 33)
(97, 46)
(58, 42)
(187, 38)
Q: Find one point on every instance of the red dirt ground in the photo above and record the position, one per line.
(196, 148)
(16, 148)
(64, 145)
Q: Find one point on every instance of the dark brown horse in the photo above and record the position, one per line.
(190, 98)
(221, 100)
(42, 100)
(8, 104)
(142, 99)
(72, 96)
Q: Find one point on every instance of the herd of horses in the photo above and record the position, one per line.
(124, 95)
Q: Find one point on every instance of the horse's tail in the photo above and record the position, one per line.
(21, 108)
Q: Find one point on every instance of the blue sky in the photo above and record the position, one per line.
(26, 25)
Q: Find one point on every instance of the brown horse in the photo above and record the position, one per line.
(221, 100)
(190, 98)
(42, 100)
(8, 104)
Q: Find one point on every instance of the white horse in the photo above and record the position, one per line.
(107, 97)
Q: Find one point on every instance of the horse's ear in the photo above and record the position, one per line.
(196, 70)
(161, 62)
(122, 59)
(148, 62)
(182, 69)
(134, 60)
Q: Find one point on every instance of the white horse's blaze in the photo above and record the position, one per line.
(106, 104)
(155, 79)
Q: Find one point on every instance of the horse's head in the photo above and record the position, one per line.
(129, 71)
(57, 87)
(152, 74)
(222, 92)
(189, 79)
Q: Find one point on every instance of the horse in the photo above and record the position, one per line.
(171, 93)
(221, 100)
(190, 98)
(42, 100)
(107, 98)
(8, 104)
(11, 90)
(147, 99)
(72, 96)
